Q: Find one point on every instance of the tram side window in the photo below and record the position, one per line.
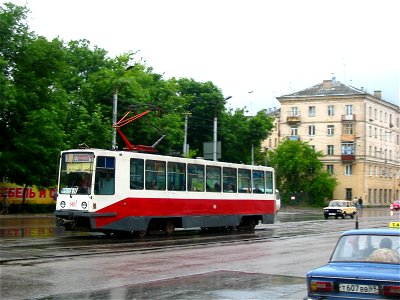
(229, 180)
(258, 182)
(269, 179)
(195, 178)
(213, 179)
(105, 176)
(244, 181)
(155, 175)
(176, 176)
(136, 174)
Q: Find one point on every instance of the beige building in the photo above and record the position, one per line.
(358, 133)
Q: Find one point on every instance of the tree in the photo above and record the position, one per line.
(203, 101)
(56, 95)
(33, 99)
(299, 172)
(240, 133)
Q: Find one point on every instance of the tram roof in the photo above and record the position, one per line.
(163, 157)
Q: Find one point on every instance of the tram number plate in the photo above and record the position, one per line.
(359, 288)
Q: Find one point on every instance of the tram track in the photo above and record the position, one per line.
(31, 252)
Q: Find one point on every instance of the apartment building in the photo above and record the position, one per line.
(358, 133)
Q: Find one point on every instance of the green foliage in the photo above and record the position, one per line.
(57, 95)
(299, 172)
(239, 133)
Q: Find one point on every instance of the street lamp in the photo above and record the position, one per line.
(114, 116)
(215, 132)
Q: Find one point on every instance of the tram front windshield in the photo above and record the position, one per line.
(76, 173)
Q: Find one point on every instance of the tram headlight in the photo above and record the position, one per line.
(62, 204)
(84, 205)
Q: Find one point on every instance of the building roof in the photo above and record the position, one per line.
(327, 88)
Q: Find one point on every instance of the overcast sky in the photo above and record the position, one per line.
(252, 50)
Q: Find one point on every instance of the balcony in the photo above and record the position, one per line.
(293, 138)
(348, 157)
(348, 137)
(293, 119)
(348, 118)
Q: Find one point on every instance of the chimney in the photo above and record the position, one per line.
(378, 94)
(327, 84)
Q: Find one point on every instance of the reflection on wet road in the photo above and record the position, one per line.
(42, 225)
(41, 261)
(213, 285)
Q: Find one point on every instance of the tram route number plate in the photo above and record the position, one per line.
(359, 288)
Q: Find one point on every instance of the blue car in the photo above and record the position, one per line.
(364, 265)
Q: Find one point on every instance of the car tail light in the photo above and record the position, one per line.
(321, 286)
(391, 290)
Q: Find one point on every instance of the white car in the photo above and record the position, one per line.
(340, 208)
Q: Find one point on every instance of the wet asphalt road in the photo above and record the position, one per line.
(269, 264)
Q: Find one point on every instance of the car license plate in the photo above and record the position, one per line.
(359, 288)
(332, 214)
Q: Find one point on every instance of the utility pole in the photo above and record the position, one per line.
(185, 146)
(114, 116)
(215, 131)
(215, 139)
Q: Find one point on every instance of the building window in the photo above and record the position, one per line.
(349, 194)
(293, 130)
(349, 110)
(330, 149)
(311, 111)
(311, 130)
(348, 148)
(348, 128)
(331, 110)
(330, 130)
(294, 112)
(348, 170)
(329, 168)
(312, 147)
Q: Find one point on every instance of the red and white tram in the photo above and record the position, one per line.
(121, 191)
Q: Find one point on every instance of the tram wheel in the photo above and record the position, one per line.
(141, 233)
(252, 224)
(169, 228)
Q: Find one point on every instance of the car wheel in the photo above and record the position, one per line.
(336, 217)
(343, 215)
(352, 215)
(326, 217)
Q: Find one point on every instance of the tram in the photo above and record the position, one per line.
(120, 191)
(137, 191)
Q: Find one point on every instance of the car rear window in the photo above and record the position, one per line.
(368, 248)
